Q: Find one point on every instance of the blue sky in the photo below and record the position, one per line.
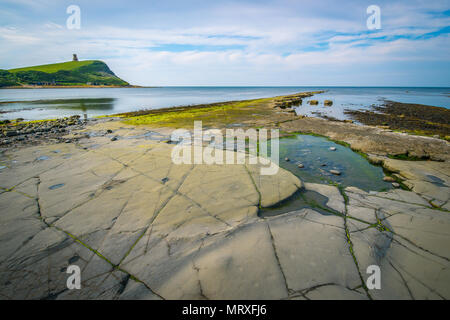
(288, 42)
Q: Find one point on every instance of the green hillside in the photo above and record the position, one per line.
(73, 73)
(55, 67)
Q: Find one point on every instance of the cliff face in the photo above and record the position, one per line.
(74, 73)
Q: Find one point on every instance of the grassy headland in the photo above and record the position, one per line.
(73, 73)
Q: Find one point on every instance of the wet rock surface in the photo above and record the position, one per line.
(18, 133)
(407, 116)
(289, 101)
(373, 140)
(140, 227)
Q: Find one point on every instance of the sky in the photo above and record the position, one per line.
(237, 43)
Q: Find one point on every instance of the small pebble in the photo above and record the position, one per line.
(114, 139)
(68, 141)
(300, 165)
(333, 148)
(395, 185)
(286, 159)
(335, 172)
(388, 179)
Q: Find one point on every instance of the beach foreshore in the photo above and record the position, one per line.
(105, 195)
(276, 112)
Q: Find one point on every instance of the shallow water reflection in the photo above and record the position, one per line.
(317, 158)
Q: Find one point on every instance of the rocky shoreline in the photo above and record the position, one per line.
(139, 227)
(27, 133)
(408, 117)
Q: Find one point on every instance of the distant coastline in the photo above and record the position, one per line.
(76, 86)
(77, 74)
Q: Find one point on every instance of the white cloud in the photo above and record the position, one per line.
(273, 45)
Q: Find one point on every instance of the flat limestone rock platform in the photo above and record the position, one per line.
(140, 227)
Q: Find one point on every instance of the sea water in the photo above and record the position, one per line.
(32, 104)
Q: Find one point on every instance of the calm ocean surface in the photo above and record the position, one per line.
(32, 104)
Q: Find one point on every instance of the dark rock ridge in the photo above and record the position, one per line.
(415, 118)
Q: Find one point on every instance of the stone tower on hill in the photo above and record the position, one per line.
(75, 58)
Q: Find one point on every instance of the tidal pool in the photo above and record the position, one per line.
(301, 199)
(318, 159)
(318, 156)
